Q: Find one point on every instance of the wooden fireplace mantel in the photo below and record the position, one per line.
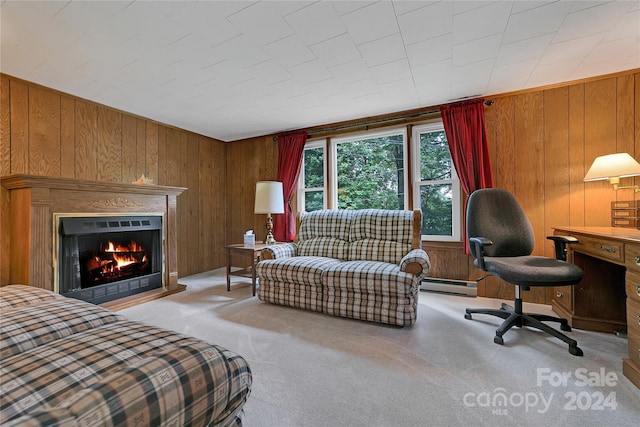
(29, 202)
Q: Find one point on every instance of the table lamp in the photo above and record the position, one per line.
(269, 200)
(613, 167)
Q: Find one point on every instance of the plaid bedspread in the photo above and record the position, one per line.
(67, 362)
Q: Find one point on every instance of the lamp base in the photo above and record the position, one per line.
(269, 240)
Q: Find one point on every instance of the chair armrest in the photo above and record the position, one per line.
(416, 262)
(560, 243)
(281, 250)
(477, 249)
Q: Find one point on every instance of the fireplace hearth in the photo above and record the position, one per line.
(102, 258)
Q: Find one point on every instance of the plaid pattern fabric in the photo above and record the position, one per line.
(380, 224)
(291, 295)
(416, 256)
(329, 247)
(371, 307)
(378, 250)
(351, 264)
(283, 250)
(51, 417)
(380, 235)
(29, 327)
(324, 233)
(304, 270)
(370, 277)
(372, 291)
(325, 223)
(117, 373)
(20, 295)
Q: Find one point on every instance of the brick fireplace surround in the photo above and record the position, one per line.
(29, 202)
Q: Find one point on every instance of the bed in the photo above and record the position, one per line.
(68, 362)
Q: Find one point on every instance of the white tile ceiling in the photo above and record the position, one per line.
(235, 69)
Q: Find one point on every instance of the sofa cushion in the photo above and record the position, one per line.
(306, 297)
(380, 235)
(324, 233)
(327, 247)
(303, 270)
(370, 277)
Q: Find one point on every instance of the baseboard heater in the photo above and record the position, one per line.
(462, 287)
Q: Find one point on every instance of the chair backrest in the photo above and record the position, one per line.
(381, 235)
(367, 234)
(495, 214)
(324, 233)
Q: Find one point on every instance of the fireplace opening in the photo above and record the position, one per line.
(105, 258)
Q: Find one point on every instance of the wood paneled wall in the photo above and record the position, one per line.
(248, 161)
(45, 132)
(541, 143)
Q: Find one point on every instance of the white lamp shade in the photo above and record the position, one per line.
(269, 197)
(619, 165)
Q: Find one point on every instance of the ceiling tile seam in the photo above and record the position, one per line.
(409, 11)
(240, 10)
(493, 68)
(177, 40)
(406, 54)
(60, 10)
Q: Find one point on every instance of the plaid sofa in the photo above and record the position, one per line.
(70, 363)
(362, 264)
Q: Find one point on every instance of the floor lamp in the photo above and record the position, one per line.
(269, 200)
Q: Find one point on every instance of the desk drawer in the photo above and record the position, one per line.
(633, 285)
(633, 329)
(632, 256)
(600, 248)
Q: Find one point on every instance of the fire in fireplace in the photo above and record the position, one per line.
(104, 258)
(110, 261)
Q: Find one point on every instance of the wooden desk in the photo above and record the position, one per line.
(244, 272)
(608, 297)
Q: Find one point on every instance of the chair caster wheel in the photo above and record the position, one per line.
(575, 350)
(467, 316)
(498, 340)
(565, 327)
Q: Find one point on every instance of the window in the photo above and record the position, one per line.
(311, 192)
(370, 171)
(436, 185)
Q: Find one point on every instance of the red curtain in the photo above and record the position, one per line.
(290, 150)
(467, 137)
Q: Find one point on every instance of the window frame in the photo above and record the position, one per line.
(302, 190)
(418, 183)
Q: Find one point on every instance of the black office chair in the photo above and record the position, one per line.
(501, 240)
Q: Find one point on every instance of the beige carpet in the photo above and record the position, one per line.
(311, 369)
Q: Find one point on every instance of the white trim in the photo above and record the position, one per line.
(311, 145)
(456, 207)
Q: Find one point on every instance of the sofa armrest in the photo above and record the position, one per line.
(281, 250)
(416, 262)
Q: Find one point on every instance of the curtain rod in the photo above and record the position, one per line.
(374, 122)
(423, 114)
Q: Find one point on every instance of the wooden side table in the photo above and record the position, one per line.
(240, 249)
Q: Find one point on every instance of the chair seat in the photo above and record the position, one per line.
(529, 271)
